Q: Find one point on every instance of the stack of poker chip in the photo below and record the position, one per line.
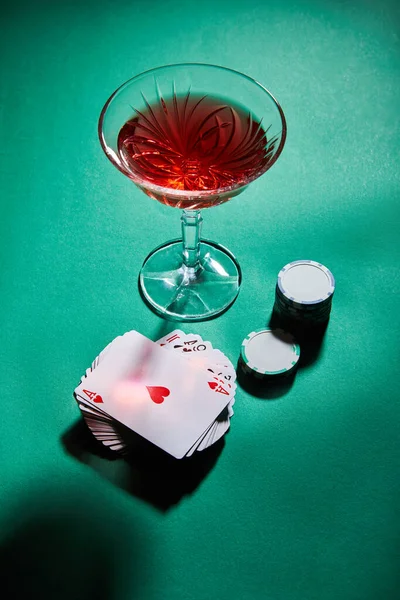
(269, 353)
(304, 292)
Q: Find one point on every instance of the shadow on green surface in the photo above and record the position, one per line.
(147, 472)
(270, 389)
(62, 545)
(310, 340)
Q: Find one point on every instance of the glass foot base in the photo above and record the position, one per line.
(181, 293)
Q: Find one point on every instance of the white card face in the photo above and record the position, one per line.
(87, 406)
(205, 358)
(158, 394)
(187, 343)
(218, 365)
(97, 421)
(206, 441)
(220, 427)
(171, 338)
(225, 374)
(195, 446)
(217, 430)
(213, 357)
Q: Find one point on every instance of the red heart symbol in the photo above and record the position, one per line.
(158, 393)
(215, 385)
(98, 399)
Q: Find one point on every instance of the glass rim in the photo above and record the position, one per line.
(172, 192)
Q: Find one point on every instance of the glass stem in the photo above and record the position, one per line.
(191, 230)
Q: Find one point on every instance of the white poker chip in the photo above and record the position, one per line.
(269, 352)
(306, 282)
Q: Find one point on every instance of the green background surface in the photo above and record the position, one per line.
(302, 502)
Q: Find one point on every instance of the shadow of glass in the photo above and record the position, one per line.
(146, 471)
(62, 545)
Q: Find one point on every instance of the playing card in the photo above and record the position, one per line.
(216, 430)
(212, 357)
(117, 447)
(193, 449)
(192, 345)
(205, 440)
(215, 362)
(219, 427)
(188, 343)
(179, 341)
(156, 394)
(200, 354)
(99, 423)
(219, 357)
(205, 361)
(87, 407)
(171, 338)
(223, 373)
(98, 426)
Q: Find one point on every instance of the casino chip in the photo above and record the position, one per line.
(269, 352)
(304, 291)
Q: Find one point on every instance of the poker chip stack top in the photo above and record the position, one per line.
(304, 292)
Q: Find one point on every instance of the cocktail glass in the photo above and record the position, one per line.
(192, 136)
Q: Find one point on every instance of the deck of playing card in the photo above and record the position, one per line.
(178, 393)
